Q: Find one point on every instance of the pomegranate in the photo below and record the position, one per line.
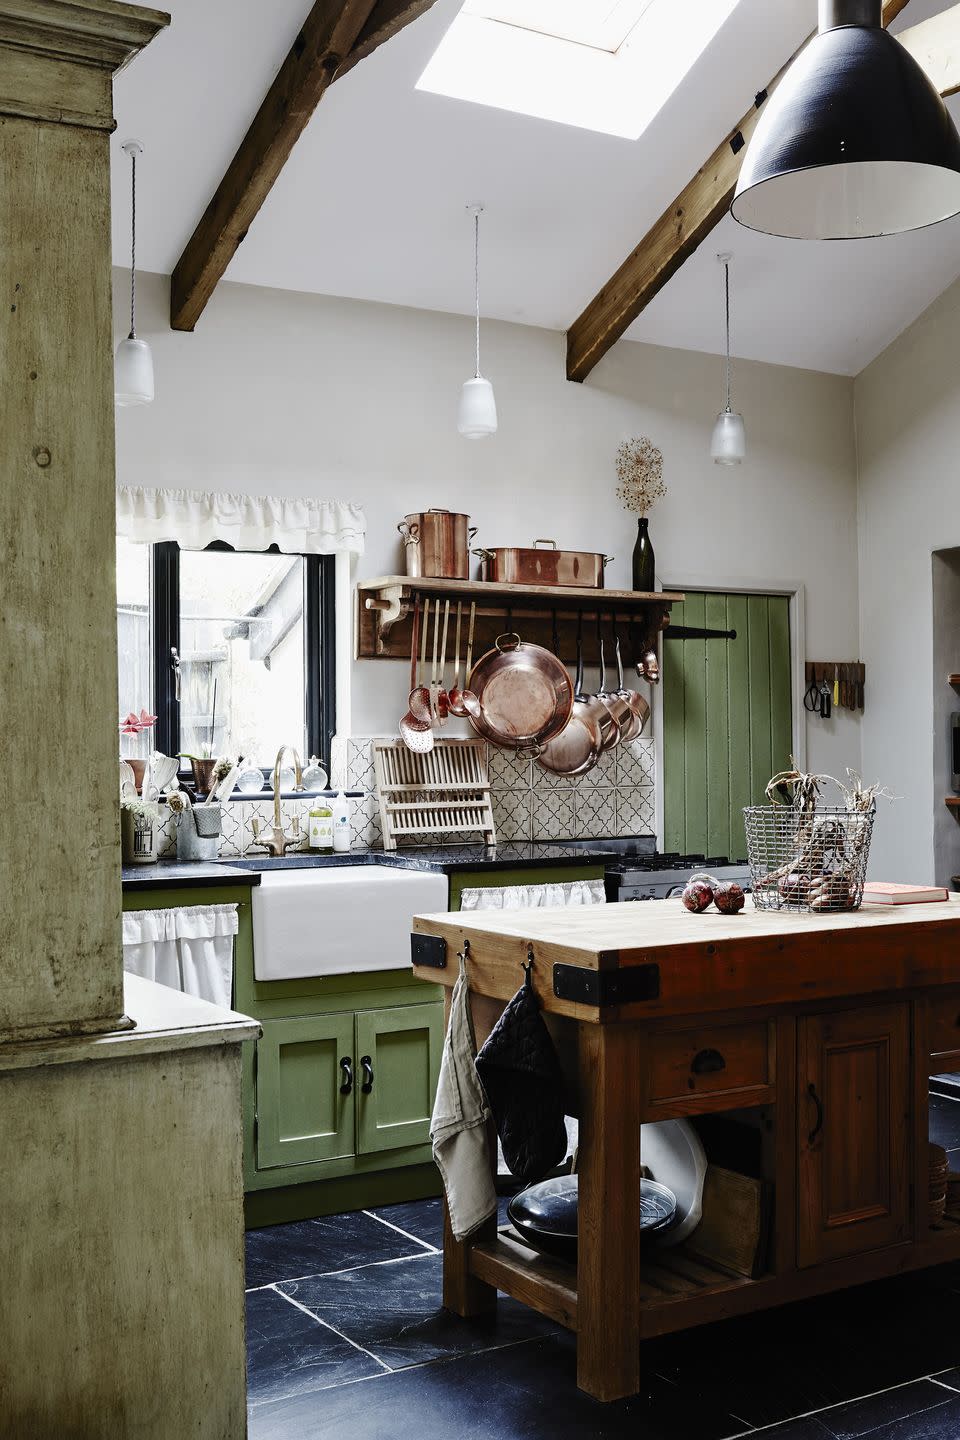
(729, 897)
(697, 895)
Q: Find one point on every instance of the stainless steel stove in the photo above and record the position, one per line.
(642, 872)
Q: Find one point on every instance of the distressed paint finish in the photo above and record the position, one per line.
(727, 718)
(123, 1215)
(60, 942)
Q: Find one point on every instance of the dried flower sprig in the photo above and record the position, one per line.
(640, 482)
(178, 801)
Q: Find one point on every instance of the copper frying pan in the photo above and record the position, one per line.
(524, 693)
(579, 745)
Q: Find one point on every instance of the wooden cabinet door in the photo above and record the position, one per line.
(398, 1064)
(302, 1113)
(854, 1131)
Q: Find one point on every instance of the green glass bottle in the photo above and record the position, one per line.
(643, 559)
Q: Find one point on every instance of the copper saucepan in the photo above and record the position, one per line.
(524, 693)
(578, 747)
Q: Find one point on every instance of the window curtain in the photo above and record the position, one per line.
(189, 948)
(297, 525)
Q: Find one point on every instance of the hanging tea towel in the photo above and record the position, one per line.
(460, 1119)
(521, 1074)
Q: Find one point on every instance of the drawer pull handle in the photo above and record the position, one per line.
(812, 1092)
(346, 1065)
(367, 1068)
(707, 1062)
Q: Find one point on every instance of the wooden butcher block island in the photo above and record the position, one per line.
(825, 1027)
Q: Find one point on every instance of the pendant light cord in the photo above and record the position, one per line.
(726, 291)
(133, 245)
(476, 280)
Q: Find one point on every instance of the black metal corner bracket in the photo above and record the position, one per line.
(606, 987)
(428, 950)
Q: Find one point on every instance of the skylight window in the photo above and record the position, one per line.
(605, 65)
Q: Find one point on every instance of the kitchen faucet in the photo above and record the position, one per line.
(279, 840)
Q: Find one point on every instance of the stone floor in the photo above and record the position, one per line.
(347, 1341)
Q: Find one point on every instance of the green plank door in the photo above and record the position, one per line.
(301, 1114)
(727, 718)
(402, 1046)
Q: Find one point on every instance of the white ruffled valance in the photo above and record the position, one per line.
(194, 518)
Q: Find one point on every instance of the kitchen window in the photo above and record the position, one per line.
(253, 632)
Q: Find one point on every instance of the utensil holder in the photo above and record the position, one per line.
(194, 840)
(139, 838)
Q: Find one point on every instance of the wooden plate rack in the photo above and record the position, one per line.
(385, 609)
(444, 792)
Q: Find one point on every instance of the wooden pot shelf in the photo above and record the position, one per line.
(385, 608)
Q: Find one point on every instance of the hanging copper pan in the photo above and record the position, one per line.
(579, 745)
(524, 692)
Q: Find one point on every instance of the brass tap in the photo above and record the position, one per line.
(279, 841)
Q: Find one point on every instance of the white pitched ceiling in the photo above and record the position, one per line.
(372, 202)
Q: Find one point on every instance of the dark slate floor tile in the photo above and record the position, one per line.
(875, 1412)
(941, 1423)
(950, 1378)
(313, 1247)
(422, 1218)
(809, 1428)
(524, 1392)
(289, 1353)
(945, 1122)
(395, 1311)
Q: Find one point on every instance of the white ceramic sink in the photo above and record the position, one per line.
(340, 921)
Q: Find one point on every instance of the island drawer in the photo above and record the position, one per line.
(694, 1070)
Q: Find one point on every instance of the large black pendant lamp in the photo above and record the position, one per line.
(854, 141)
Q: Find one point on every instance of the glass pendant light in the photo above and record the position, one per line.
(477, 415)
(855, 141)
(133, 367)
(729, 443)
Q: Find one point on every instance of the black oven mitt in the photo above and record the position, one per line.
(521, 1074)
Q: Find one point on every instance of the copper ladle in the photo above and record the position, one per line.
(416, 731)
(467, 703)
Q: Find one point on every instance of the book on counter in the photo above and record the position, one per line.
(882, 892)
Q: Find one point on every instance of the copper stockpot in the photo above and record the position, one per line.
(510, 565)
(437, 544)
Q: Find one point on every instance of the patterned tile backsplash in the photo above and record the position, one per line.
(616, 798)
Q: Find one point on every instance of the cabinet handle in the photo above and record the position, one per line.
(812, 1092)
(367, 1068)
(346, 1065)
(707, 1062)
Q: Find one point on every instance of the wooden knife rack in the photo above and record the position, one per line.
(385, 611)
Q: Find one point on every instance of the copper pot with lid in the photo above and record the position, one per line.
(437, 544)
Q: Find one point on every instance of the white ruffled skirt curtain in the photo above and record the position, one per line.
(297, 525)
(534, 897)
(189, 948)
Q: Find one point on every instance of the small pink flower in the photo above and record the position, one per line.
(135, 724)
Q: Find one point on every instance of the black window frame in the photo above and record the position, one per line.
(320, 641)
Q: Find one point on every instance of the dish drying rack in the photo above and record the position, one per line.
(443, 792)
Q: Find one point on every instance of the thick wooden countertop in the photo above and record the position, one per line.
(657, 958)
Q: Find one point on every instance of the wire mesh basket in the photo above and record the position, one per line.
(808, 859)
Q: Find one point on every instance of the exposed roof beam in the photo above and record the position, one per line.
(336, 35)
(700, 206)
(935, 45)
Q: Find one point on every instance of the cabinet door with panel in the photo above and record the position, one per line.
(305, 1090)
(398, 1066)
(854, 1131)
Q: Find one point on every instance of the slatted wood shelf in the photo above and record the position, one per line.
(385, 608)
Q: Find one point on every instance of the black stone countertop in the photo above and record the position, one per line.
(185, 874)
(445, 858)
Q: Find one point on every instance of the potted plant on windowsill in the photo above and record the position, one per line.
(136, 724)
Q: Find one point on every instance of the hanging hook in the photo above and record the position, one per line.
(464, 954)
(527, 968)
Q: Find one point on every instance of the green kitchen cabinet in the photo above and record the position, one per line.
(399, 1060)
(305, 1104)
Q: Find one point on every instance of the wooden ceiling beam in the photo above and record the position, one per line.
(335, 36)
(682, 227)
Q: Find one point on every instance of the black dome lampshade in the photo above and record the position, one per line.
(855, 140)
